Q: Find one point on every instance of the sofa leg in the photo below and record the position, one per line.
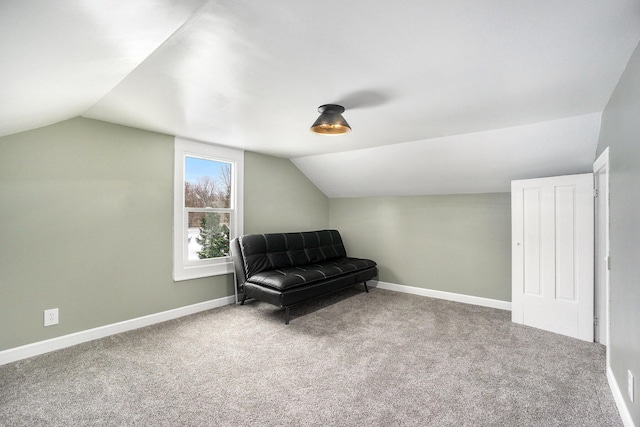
(244, 297)
(365, 287)
(286, 315)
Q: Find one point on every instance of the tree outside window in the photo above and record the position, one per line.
(207, 197)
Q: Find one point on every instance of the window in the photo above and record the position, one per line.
(207, 208)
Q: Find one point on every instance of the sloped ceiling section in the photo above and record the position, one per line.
(250, 74)
(444, 166)
(61, 57)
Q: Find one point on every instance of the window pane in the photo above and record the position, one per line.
(208, 235)
(207, 183)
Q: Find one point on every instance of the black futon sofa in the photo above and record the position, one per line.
(285, 269)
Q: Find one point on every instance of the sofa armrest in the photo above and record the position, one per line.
(238, 265)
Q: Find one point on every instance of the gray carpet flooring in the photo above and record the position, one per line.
(353, 359)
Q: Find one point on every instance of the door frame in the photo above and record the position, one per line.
(601, 165)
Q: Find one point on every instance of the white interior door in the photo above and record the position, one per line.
(552, 254)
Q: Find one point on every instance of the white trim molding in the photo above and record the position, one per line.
(41, 347)
(183, 268)
(450, 296)
(627, 420)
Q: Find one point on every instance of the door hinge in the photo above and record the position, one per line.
(595, 322)
(595, 192)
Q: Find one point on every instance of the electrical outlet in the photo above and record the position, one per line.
(630, 384)
(51, 317)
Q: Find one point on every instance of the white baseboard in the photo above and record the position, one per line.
(41, 347)
(450, 296)
(619, 399)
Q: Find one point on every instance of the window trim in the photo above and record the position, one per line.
(182, 268)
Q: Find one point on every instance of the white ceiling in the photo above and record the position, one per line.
(458, 96)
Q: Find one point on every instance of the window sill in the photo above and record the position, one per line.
(199, 271)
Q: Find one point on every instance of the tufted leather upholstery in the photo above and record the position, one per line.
(288, 268)
(288, 277)
(263, 252)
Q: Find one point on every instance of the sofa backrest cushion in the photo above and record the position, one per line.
(261, 252)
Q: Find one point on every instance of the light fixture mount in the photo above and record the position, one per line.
(330, 121)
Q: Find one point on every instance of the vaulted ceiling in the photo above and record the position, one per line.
(443, 97)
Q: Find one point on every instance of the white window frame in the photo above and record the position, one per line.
(183, 269)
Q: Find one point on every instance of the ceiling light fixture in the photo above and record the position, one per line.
(330, 121)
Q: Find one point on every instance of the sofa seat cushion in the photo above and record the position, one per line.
(290, 277)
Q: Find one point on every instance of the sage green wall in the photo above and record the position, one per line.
(279, 198)
(87, 217)
(86, 226)
(620, 131)
(452, 243)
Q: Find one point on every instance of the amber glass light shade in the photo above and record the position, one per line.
(330, 121)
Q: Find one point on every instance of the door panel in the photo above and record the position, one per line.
(565, 243)
(552, 231)
(532, 279)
